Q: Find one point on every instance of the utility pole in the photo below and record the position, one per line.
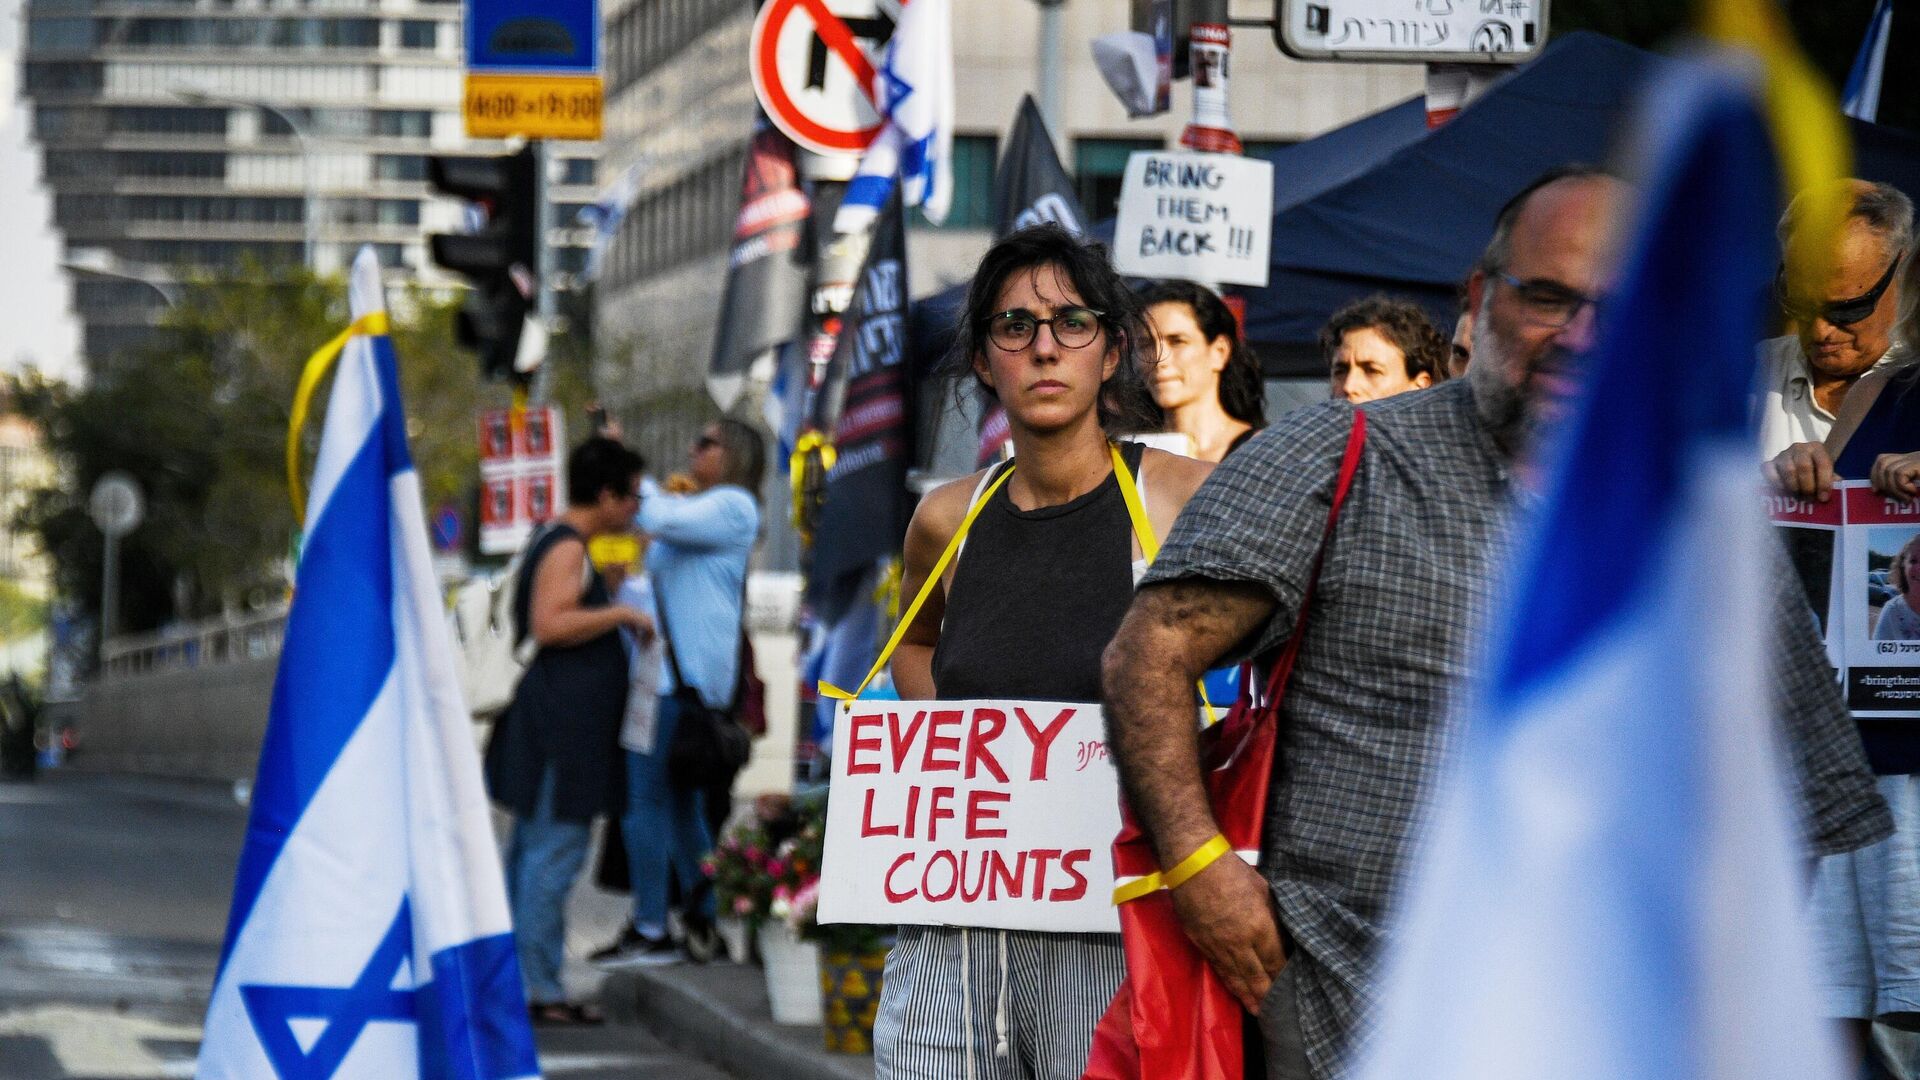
(1047, 65)
(547, 299)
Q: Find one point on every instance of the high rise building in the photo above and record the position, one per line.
(182, 135)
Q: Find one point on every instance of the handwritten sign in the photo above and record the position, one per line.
(971, 813)
(1197, 217)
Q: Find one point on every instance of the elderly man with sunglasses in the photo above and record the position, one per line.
(1839, 335)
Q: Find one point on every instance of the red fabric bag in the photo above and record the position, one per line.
(1173, 1018)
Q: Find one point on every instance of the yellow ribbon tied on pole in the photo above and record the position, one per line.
(804, 449)
(372, 323)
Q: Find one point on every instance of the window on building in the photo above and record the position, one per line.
(60, 34)
(391, 256)
(170, 165)
(403, 123)
(164, 120)
(63, 77)
(1098, 165)
(577, 170)
(411, 167)
(973, 164)
(419, 34)
(397, 212)
(1266, 148)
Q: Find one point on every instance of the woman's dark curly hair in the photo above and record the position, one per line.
(1242, 390)
(1126, 406)
(1403, 323)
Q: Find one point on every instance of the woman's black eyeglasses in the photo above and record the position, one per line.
(1838, 312)
(1072, 327)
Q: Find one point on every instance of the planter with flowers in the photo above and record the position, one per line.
(742, 888)
(851, 957)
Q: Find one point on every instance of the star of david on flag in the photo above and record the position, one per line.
(914, 147)
(369, 935)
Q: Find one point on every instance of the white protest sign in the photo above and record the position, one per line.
(1810, 532)
(1197, 217)
(971, 813)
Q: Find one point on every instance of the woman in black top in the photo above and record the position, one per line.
(1047, 572)
(553, 754)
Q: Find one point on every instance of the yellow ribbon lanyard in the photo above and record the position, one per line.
(1142, 531)
(373, 322)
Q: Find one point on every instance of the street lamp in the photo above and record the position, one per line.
(310, 204)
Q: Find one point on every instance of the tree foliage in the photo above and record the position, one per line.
(199, 418)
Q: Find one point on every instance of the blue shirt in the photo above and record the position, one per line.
(698, 563)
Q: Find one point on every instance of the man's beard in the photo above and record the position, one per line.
(1517, 422)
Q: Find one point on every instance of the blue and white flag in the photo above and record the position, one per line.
(369, 936)
(1611, 883)
(914, 91)
(1861, 98)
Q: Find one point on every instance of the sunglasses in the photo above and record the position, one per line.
(1838, 312)
(705, 442)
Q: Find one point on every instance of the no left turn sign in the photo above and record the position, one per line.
(813, 69)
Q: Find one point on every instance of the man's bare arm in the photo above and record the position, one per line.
(1173, 632)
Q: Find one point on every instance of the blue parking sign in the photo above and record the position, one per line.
(555, 37)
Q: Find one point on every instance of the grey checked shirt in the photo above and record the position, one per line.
(1408, 574)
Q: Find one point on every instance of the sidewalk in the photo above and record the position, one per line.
(719, 1012)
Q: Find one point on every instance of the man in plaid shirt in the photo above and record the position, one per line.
(1406, 580)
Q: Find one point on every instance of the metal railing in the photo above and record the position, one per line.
(208, 643)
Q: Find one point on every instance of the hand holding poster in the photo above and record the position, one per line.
(971, 813)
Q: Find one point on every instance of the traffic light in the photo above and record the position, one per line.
(501, 259)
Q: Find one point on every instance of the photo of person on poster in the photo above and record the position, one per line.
(1899, 618)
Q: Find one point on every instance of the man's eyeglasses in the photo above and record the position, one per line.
(1838, 312)
(705, 442)
(1072, 327)
(1549, 303)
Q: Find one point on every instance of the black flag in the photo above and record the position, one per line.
(863, 401)
(1030, 187)
(766, 292)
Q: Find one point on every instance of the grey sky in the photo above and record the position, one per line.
(35, 324)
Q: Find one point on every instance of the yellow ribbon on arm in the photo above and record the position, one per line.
(1203, 856)
(373, 322)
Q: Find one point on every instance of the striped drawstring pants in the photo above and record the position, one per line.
(963, 1004)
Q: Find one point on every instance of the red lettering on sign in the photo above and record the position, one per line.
(979, 816)
(1041, 858)
(903, 744)
(987, 726)
(1070, 863)
(980, 876)
(868, 828)
(1042, 739)
(938, 810)
(936, 742)
(894, 896)
(1009, 877)
(855, 744)
(953, 880)
(913, 807)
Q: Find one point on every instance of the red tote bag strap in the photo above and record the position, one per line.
(1349, 466)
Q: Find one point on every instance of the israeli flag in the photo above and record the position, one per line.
(369, 935)
(914, 90)
(1611, 882)
(1861, 98)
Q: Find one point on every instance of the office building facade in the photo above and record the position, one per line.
(183, 136)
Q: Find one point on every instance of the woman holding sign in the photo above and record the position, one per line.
(1053, 541)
